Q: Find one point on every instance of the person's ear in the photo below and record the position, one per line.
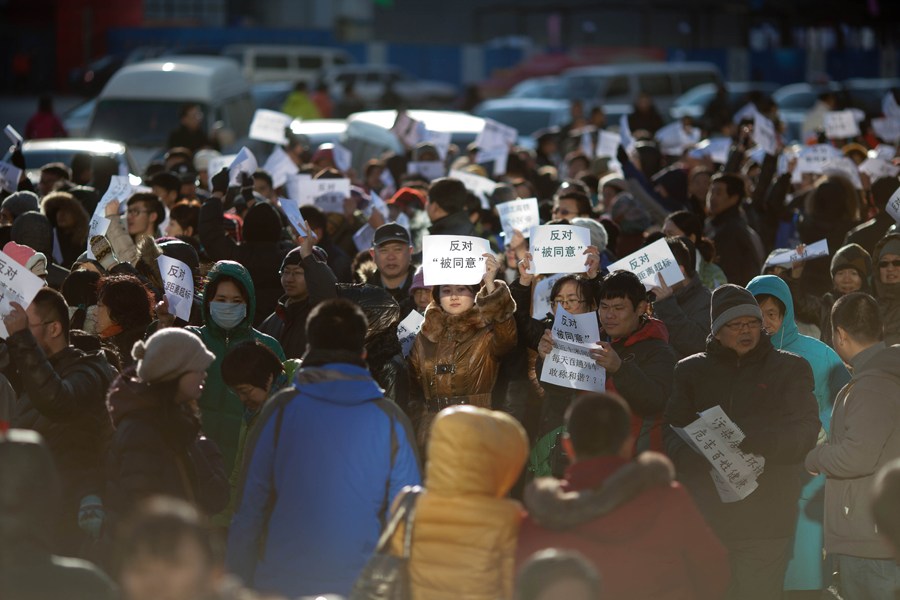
(641, 308)
(365, 354)
(54, 329)
(625, 450)
(569, 448)
(269, 383)
(372, 253)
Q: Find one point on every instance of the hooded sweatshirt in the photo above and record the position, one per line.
(220, 408)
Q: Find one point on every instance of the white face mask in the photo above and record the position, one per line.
(228, 315)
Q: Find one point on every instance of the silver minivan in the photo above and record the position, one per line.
(262, 62)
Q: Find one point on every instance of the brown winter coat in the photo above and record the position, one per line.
(455, 359)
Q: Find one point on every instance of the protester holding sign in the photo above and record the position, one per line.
(456, 355)
(887, 285)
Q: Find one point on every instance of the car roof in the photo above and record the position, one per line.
(435, 120)
(89, 145)
(319, 126)
(182, 77)
(288, 48)
(802, 88)
(549, 104)
(365, 68)
(640, 67)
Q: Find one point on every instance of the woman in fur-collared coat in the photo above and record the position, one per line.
(457, 353)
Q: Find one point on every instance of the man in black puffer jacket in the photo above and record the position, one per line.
(769, 396)
(62, 393)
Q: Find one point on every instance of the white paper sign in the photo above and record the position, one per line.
(244, 162)
(649, 263)
(625, 133)
(453, 259)
(292, 210)
(716, 437)
(764, 135)
(478, 185)
(570, 364)
(842, 165)
(748, 111)
(327, 194)
(885, 152)
(14, 136)
(674, 139)
(814, 250)
(269, 126)
(9, 176)
(887, 129)
(364, 237)
(379, 204)
(217, 163)
(889, 106)
(876, 168)
(17, 284)
(715, 149)
(813, 158)
(439, 139)
(893, 206)
(293, 187)
(559, 248)
(178, 283)
(407, 129)
(587, 144)
(343, 157)
(407, 330)
(840, 124)
(99, 225)
(390, 186)
(280, 166)
(608, 143)
(540, 299)
(120, 190)
(498, 156)
(429, 169)
(519, 214)
(496, 135)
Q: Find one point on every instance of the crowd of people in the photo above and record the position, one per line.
(282, 437)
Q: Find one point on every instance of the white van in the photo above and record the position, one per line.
(141, 103)
(617, 85)
(285, 63)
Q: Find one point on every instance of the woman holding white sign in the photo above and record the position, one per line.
(457, 353)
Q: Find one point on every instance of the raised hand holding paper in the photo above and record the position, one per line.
(327, 194)
(280, 166)
(764, 134)
(244, 162)
(407, 129)
(478, 185)
(559, 248)
(407, 330)
(649, 263)
(569, 364)
(519, 214)
(893, 205)
(269, 126)
(814, 250)
(429, 169)
(17, 284)
(9, 177)
(453, 259)
(292, 210)
(840, 124)
(343, 157)
(179, 286)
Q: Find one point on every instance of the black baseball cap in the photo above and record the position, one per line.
(391, 232)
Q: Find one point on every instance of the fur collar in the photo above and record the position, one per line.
(495, 307)
(553, 508)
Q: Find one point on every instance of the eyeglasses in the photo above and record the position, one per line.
(743, 326)
(558, 210)
(567, 302)
(884, 264)
(293, 273)
(133, 212)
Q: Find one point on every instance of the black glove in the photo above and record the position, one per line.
(754, 444)
(18, 159)
(220, 181)
(622, 156)
(247, 187)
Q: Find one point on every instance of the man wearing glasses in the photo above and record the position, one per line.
(569, 203)
(768, 393)
(145, 212)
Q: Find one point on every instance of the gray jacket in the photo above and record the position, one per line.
(686, 315)
(865, 434)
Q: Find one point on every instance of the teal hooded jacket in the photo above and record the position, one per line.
(220, 408)
(829, 371)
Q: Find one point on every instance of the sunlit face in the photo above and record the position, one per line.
(717, 200)
(293, 281)
(619, 318)
(185, 575)
(889, 268)
(565, 208)
(569, 297)
(847, 280)
(392, 258)
(228, 291)
(140, 219)
(772, 315)
(251, 396)
(190, 386)
(456, 299)
(741, 334)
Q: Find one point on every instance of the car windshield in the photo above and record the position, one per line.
(526, 121)
(797, 101)
(137, 122)
(37, 158)
(535, 89)
(700, 95)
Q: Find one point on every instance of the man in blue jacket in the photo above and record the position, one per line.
(329, 456)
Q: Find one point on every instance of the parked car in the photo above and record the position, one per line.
(539, 87)
(38, 153)
(796, 99)
(77, 119)
(526, 115)
(371, 81)
(264, 62)
(693, 103)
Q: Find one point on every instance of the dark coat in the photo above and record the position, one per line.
(738, 247)
(62, 398)
(686, 315)
(768, 393)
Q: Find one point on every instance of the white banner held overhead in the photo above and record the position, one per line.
(439, 139)
(559, 248)
(518, 214)
(453, 259)
(478, 185)
(407, 129)
(216, 164)
(17, 284)
(294, 187)
(570, 364)
(429, 169)
(877, 168)
(540, 299)
(840, 124)
(119, 190)
(291, 209)
(178, 283)
(764, 134)
(608, 143)
(343, 157)
(328, 195)
(812, 158)
(364, 237)
(649, 263)
(9, 176)
(893, 206)
(887, 129)
(269, 126)
(407, 330)
(495, 135)
(814, 250)
(244, 162)
(280, 166)
(14, 136)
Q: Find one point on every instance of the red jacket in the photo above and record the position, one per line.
(44, 125)
(640, 529)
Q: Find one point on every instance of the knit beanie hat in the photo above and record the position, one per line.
(170, 353)
(891, 247)
(33, 229)
(18, 203)
(730, 302)
(852, 256)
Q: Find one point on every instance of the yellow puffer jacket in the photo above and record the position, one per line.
(465, 530)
